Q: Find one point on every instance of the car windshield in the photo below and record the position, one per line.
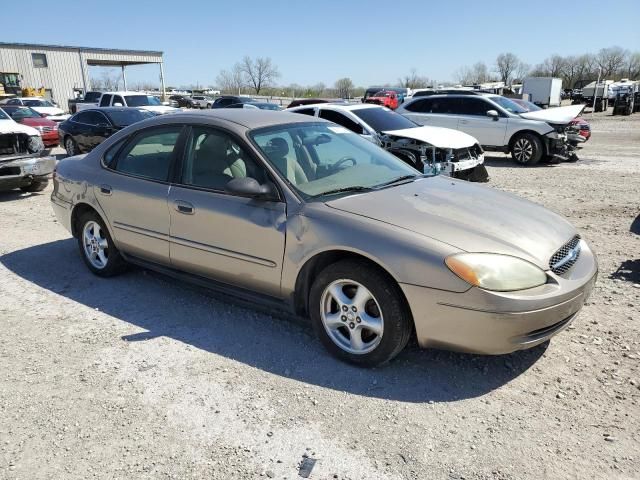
(3, 116)
(509, 105)
(23, 112)
(142, 100)
(321, 159)
(37, 103)
(126, 117)
(532, 107)
(383, 119)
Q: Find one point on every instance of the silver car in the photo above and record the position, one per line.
(301, 213)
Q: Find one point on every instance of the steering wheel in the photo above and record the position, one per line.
(343, 160)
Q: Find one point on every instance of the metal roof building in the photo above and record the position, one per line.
(60, 69)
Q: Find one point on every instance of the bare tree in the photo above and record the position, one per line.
(522, 71)
(231, 81)
(632, 66)
(259, 73)
(344, 87)
(107, 81)
(413, 80)
(506, 66)
(610, 60)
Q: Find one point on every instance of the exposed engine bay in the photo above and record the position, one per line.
(465, 163)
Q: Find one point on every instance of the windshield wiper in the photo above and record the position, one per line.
(398, 180)
(354, 188)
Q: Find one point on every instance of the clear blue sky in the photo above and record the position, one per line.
(372, 41)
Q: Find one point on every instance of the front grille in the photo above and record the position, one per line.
(566, 256)
(47, 129)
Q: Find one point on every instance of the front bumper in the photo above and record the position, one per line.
(23, 171)
(480, 321)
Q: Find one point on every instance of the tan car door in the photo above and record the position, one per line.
(133, 192)
(232, 239)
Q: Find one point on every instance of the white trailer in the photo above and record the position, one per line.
(543, 91)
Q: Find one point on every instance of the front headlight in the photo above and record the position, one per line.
(40, 129)
(500, 273)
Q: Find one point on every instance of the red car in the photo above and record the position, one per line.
(386, 98)
(48, 128)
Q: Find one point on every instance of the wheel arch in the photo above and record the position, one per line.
(314, 265)
(532, 132)
(80, 209)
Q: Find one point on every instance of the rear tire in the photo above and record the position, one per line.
(526, 149)
(359, 313)
(97, 248)
(36, 186)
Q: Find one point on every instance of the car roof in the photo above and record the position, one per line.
(110, 109)
(248, 118)
(338, 106)
(125, 92)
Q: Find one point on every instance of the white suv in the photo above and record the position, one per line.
(499, 124)
(428, 149)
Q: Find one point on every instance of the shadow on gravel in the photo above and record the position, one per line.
(635, 226)
(508, 162)
(628, 270)
(12, 195)
(273, 342)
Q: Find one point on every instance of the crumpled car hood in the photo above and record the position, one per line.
(468, 216)
(437, 136)
(11, 126)
(558, 115)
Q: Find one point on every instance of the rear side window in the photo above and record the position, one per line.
(443, 105)
(340, 119)
(150, 154)
(419, 106)
(105, 100)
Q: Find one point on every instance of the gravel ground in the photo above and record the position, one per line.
(141, 377)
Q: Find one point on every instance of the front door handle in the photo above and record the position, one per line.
(184, 207)
(105, 189)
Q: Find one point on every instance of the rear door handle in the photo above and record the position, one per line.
(105, 189)
(184, 207)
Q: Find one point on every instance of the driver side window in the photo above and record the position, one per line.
(214, 158)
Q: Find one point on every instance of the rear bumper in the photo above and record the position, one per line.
(479, 321)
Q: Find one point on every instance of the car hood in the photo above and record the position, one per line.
(558, 115)
(49, 110)
(10, 126)
(468, 216)
(158, 109)
(437, 136)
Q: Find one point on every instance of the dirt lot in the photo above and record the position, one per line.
(141, 377)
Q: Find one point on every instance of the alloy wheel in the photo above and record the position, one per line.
(96, 246)
(523, 150)
(351, 316)
(69, 147)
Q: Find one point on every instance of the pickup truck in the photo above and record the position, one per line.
(22, 164)
(90, 100)
(134, 99)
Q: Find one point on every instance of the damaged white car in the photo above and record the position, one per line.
(22, 164)
(431, 150)
(500, 124)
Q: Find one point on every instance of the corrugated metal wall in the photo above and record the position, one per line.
(65, 66)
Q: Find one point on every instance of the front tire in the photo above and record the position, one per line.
(97, 248)
(359, 314)
(526, 149)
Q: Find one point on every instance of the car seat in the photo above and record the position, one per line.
(277, 150)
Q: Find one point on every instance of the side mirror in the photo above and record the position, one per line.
(118, 104)
(493, 114)
(250, 187)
